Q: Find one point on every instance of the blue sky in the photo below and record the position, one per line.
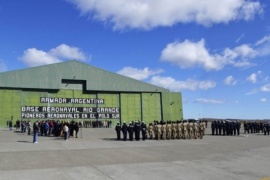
(216, 53)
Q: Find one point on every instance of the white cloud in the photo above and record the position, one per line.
(229, 80)
(263, 46)
(147, 14)
(252, 78)
(265, 39)
(189, 54)
(263, 100)
(174, 85)
(139, 74)
(238, 56)
(240, 38)
(265, 88)
(208, 101)
(245, 51)
(253, 91)
(35, 57)
(3, 66)
(64, 51)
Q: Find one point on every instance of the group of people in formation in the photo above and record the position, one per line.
(257, 127)
(226, 127)
(230, 128)
(161, 130)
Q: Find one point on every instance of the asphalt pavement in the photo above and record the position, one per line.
(95, 154)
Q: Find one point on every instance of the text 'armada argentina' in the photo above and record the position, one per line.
(71, 100)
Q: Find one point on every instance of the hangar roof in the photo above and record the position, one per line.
(51, 76)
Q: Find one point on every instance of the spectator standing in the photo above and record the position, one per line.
(10, 125)
(76, 128)
(65, 130)
(35, 130)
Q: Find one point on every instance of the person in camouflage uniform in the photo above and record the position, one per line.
(150, 130)
(190, 129)
(173, 129)
(195, 130)
(158, 131)
(179, 130)
(168, 131)
(201, 130)
(185, 135)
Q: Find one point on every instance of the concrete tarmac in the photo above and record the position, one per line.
(95, 154)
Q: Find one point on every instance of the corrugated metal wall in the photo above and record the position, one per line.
(50, 77)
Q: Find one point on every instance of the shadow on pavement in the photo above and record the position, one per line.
(25, 141)
(109, 139)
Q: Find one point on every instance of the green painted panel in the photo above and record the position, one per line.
(9, 105)
(130, 107)
(111, 100)
(151, 107)
(172, 106)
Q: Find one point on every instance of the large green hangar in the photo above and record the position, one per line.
(76, 91)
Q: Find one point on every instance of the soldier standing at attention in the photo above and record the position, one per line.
(161, 131)
(150, 130)
(168, 130)
(185, 129)
(217, 127)
(248, 127)
(143, 127)
(234, 128)
(213, 124)
(130, 131)
(238, 126)
(173, 128)
(267, 127)
(137, 129)
(224, 128)
(118, 130)
(124, 130)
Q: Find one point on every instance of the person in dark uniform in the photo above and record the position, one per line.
(267, 128)
(217, 127)
(224, 128)
(137, 129)
(261, 126)
(213, 125)
(124, 130)
(234, 128)
(252, 127)
(248, 127)
(118, 131)
(143, 128)
(130, 131)
(238, 126)
(229, 128)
